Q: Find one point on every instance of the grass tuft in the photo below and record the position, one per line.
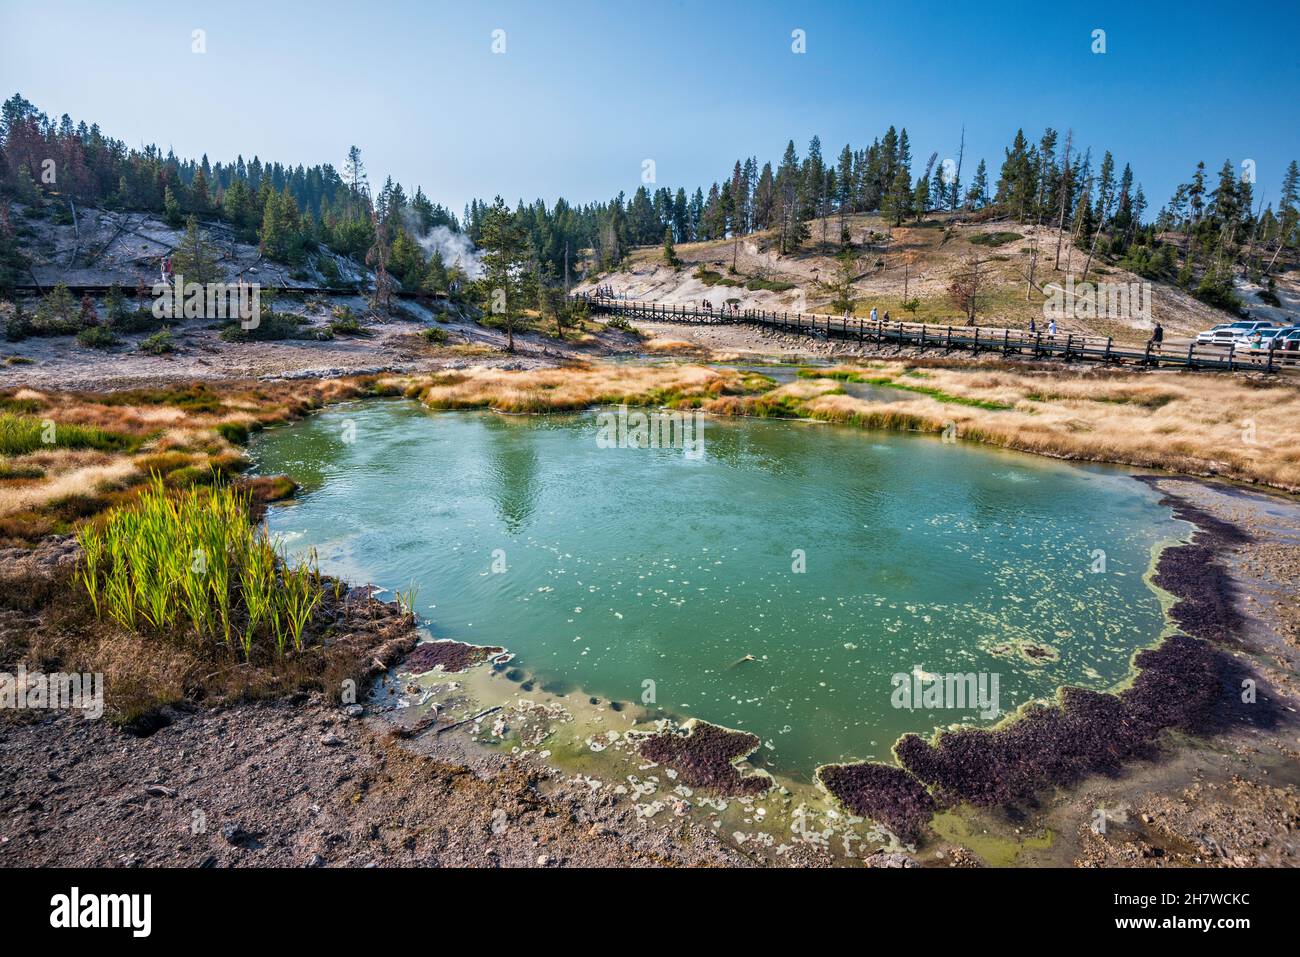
(190, 567)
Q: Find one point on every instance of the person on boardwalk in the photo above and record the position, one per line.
(873, 313)
(1033, 326)
(1051, 327)
(1157, 335)
(886, 315)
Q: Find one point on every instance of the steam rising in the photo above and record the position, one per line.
(456, 250)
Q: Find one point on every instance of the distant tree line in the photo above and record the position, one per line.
(1201, 238)
(290, 211)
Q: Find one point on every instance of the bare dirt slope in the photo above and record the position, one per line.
(914, 261)
(104, 247)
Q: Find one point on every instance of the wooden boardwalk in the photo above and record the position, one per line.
(1066, 346)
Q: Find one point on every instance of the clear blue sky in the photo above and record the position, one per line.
(586, 91)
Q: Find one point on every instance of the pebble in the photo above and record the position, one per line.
(331, 740)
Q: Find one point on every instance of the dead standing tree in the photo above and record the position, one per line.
(967, 290)
(1065, 188)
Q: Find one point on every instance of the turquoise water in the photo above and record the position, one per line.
(628, 565)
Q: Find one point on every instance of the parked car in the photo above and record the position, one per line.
(1244, 332)
(1261, 340)
(1225, 334)
(1222, 332)
(1289, 340)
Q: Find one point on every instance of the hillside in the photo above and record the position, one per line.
(104, 246)
(917, 261)
(301, 334)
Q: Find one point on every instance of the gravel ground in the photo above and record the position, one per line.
(298, 783)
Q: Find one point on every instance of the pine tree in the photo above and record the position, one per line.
(1105, 191)
(280, 236)
(764, 198)
(193, 259)
(1288, 207)
(200, 200)
(845, 192)
(793, 229)
(681, 216)
(504, 252)
(740, 201)
(897, 205)
(172, 208)
(921, 197)
(12, 262)
(670, 254)
(354, 172)
(977, 197)
(812, 182)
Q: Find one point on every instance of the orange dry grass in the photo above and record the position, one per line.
(176, 442)
(672, 347)
(572, 388)
(1197, 423)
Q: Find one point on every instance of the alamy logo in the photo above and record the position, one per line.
(1101, 300)
(655, 430)
(77, 692)
(103, 910)
(958, 692)
(214, 300)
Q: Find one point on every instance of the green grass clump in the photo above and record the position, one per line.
(158, 344)
(96, 337)
(196, 398)
(940, 396)
(771, 285)
(995, 239)
(190, 566)
(21, 434)
(20, 406)
(711, 277)
(348, 325)
(235, 433)
(8, 471)
(848, 375)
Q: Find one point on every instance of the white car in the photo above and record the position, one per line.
(1227, 333)
(1264, 342)
(1245, 332)
(1221, 333)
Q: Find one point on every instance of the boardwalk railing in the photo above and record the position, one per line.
(1068, 346)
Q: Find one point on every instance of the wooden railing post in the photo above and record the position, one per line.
(1191, 347)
